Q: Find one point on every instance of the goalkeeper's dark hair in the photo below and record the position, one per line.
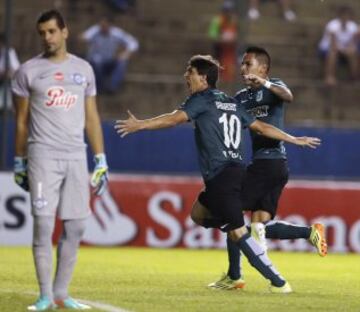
(261, 55)
(49, 15)
(208, 66)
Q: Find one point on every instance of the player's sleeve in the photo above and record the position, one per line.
(20, 83)
(279, 82)
(246, 118)
(194, 106)
(239, 96)
(90, 89)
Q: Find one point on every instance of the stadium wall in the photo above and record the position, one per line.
(173, 151)
(154, 211)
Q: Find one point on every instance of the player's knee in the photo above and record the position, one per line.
(74, 229)
(236, 234)
(43, 230)
(261, 216)
(198, 213)
(197, 217)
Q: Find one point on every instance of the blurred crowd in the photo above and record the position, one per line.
(109, 47)
(6, 72)
(109, 50)
(338, 47)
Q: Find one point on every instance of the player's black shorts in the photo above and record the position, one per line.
(265, 180)
(222, 196)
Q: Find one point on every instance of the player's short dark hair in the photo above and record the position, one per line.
(208, 66)
(49, 15)
(261, 55)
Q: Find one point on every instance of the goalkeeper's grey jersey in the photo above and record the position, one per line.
(56, 93)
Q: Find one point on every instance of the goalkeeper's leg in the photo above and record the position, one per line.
(42, 252)
(66, 256)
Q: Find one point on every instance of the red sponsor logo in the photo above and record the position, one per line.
(154, 211)
(57, 97)
(59, 76)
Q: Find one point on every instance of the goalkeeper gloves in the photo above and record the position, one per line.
(21, 175)
(99, 177)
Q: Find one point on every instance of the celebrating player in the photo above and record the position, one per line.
(267, 175)
(55, 98)
(218, 125)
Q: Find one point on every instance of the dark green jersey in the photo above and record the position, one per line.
(265, 106)
(218, 123)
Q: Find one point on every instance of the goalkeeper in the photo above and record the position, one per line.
(55, 99)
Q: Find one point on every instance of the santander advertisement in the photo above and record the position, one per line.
(154, 211)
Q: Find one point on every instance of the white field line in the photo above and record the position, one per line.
(102, 306)
(94, 304)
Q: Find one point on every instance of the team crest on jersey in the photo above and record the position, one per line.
(78, 78)
(57, 97)
(259, 96)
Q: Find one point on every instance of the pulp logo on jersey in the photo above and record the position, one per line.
(57, 97)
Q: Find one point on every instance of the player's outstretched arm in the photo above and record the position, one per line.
(132, 124)
(277, 134)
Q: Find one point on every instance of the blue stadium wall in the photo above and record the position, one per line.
(173, 151)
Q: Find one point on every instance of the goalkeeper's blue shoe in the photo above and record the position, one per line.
(286, 289)
(42, 304)
(70, 303)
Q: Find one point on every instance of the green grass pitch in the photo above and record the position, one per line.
(141, 279)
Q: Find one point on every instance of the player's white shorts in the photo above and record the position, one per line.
(59, 187)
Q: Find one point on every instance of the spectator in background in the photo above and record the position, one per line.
(287, 12)
(14, 64)
(339, 44)
(223, 31)
(109, 50)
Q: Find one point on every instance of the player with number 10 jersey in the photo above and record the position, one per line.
(218, 124)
